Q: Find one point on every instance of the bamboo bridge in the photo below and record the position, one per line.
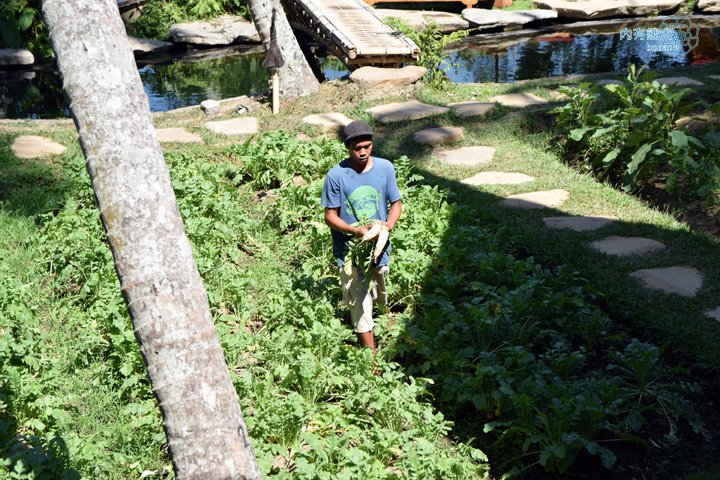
(351, 30)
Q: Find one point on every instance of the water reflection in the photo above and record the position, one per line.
(172, 83)
(168, 85)
(565, 53)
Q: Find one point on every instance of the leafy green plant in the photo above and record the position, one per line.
(21, 26)
(432, 44)
(630, 136)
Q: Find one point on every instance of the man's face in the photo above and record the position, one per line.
(360, 150)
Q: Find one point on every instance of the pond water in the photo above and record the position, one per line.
(173, 83)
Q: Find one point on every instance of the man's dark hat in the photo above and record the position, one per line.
(357, 129)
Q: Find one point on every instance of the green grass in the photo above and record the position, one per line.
(272, 295)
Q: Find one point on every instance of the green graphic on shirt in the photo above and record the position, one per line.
(364, 202)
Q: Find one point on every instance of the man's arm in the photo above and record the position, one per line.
(333, 220)
(394, 214)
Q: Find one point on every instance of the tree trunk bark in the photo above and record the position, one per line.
(167, 303)
(296, 76)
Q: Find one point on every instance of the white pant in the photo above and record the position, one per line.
(359, 297)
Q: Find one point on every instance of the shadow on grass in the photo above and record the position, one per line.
(27, 187)
(545, 351)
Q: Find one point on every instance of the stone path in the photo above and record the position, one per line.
(684, 281)
(498, 178)
(488, 19)
(438, 135)
(578, 223)
(33, 146)
(177, 135)
(418, 19)
(714, 313)
(236, 126)
(471, 109)
(680, 81)
(332, 122)
(519, 100)
(467, 156)
(610, 81)
(624, 246)
(534, 200)
(398, 112)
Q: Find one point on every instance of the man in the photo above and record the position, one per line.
(359, 189)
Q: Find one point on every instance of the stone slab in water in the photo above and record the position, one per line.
(519, 100)
(328, 122)
(714, 77)
(714, 313)
(397, 112)
(684, 281)
(33, 146)
(534, 200)
(468, 156)
(680, 81)
(438, 135)
(624, 246)
(471, 109)
(16, 56)
(581, 223)
(376, 76)
(236, 126)
(178, 135)
(709, 6)
(498, 178)
(146, 45)
(418, 19)
(487, 19)
(223, 30)
(596, 9)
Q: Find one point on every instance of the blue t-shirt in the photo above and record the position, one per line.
(360, 196)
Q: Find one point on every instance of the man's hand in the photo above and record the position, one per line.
(361, 231)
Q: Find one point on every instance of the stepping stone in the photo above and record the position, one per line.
(145, 45)
(709, 6)
(610, 81)
(534, 200)
(684, 281)
(498, 178)
(328, 122)
(16, 56)
(714, 314)
(418, 19)
(236, 126)
(33, 146)
(624, 246)
(468, 156)
(382, 77)
(487, 19)
(680, 81)
(579, 223)
(714, 77)
(397, 112)
(177, 135)
(471, 109)
(519, 100)
(223, 30)
(434, 136)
